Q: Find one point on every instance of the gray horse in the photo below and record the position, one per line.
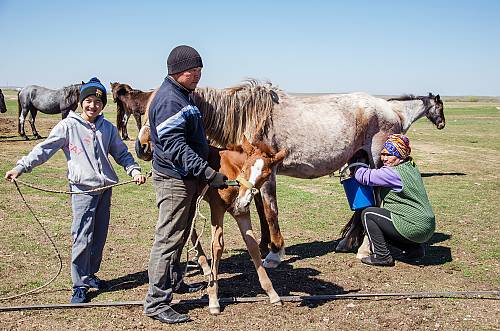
(320, 134)
(3, 107)
(33, 98)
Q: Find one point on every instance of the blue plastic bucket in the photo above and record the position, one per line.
(358, 195)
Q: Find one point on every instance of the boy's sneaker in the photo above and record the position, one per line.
(94, 282)
(79, 295)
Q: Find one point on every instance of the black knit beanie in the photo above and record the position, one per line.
(93, 87)
(183, 58)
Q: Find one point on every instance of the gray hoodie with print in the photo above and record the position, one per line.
(86, 147)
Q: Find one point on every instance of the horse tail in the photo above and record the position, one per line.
(353, 231)
(120, 113)
(19, 108)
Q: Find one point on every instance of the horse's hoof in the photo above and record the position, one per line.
(38, 137)
(273, 260)
(270, 264)
(214, 310)
(276, 301)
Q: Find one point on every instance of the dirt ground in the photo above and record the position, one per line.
(311, 267)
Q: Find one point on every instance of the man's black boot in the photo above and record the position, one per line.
(189, 288)
(170, 316)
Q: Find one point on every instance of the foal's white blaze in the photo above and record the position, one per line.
(255, 172)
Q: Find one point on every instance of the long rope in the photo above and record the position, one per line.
(197, 215)
(148, 174)
(483, 295)
(53, 245)
(16, 181)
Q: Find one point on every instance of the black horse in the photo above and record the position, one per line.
(35, 98)
(3, 107)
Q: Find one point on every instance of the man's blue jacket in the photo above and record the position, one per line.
(180, 147)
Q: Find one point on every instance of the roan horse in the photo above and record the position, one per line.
(3, 107)
(128, 101)
(35, 98)
(320, 134)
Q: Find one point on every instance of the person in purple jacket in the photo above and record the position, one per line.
(406, 219)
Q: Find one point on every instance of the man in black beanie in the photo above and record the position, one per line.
(180, 151)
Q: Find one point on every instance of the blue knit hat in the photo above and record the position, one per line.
(93, 87)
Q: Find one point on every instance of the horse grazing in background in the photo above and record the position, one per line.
(250, 165)
(320, 134)
(3, 107)
(33, 98)
(129, 101)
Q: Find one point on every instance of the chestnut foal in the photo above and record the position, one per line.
(250, 166)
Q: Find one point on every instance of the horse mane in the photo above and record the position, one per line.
(409, 97)
(71, 93)
(233, 112)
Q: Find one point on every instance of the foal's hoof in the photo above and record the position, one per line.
(277, 302)
(214, 310)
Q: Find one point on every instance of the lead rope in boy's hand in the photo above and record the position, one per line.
(17, 182)
(148, 174)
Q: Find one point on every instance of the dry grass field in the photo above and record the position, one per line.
(460, 169)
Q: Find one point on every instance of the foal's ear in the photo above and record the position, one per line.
(247, 147)
(279, 157)
(438, 98)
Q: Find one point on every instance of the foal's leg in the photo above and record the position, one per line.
(245, 225)
(270, 206)
(217, 217)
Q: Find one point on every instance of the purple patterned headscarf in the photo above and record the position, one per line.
(398, 145)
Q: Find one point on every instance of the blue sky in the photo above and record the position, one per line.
(379, 47)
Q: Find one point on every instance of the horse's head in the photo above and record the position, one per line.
(3, 107)
(119, 89)
(143, 147)
(256, 170)
(435, 110)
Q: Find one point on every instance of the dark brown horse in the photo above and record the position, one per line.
(128, 101)
(3, 107)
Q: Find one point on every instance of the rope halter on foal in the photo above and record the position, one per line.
(240, 181)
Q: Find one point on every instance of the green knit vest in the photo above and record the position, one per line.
(411, 210)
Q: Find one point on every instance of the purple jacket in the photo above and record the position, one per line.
(385, 177)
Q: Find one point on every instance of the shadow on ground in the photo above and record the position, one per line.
(434, 174)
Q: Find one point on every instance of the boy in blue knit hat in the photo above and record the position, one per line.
(86, 140)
